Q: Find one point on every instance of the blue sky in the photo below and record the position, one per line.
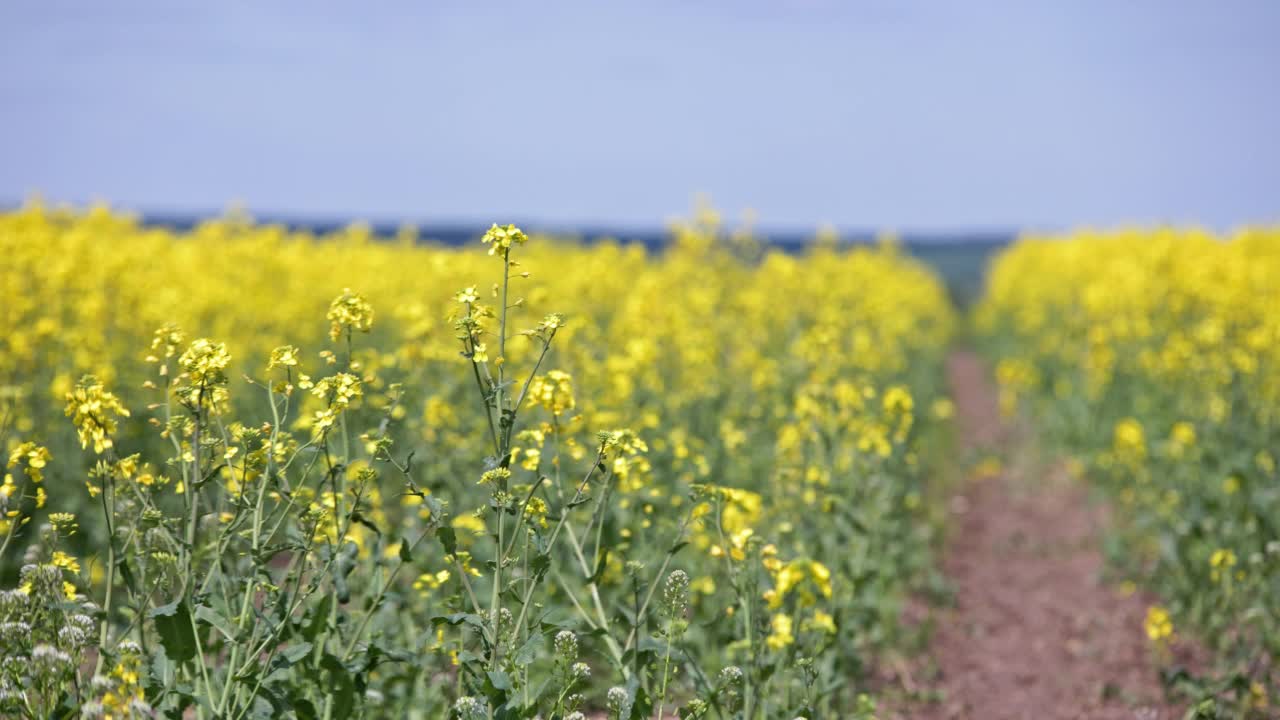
(878, 113)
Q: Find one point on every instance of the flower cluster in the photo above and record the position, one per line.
(349, 312)
(94, 411)
(500, 238)
(553, 391)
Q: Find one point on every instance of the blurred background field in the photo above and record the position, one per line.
(960, 259)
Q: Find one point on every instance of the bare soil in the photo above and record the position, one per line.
(1034, 631)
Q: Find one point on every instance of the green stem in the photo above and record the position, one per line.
(104, 635)
(495, 594)
(666, 668)
(193, 490)
(377, 601)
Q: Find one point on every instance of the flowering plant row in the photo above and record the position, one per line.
(1153, 357)
(256, 473)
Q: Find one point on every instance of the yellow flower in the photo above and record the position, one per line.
(780, 632)
(349, 311)
(1265, 462)
(463, 559)
(553, 391)
(1158, 624)
(1129, 440)
(550, 324)
(64, 523)
(822, 622)
(500, 238)
(123, 688)
(943, 409)
(622, 442)
(1221, 559)
(33, 457)
(731, 435)
(738, 543)
(536, 510)
(93, 410)
(1183, 435)
(322, 420)
(65, 561)
(788, 577)
(285, 356)
(532, 458)
(430, 581)
(741, 509)
(495, 476)
(821, 576)
(8, 489)
(1258, 695)
(166, 342)
(205, 362)
(897, 400)
(470, 523)
(874, 439)
(339, 390)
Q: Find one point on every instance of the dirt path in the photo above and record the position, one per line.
(1034, 632)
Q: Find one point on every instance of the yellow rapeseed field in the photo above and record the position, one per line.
(1153, 357)
(268, 473)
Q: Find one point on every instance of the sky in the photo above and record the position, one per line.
(889, 114)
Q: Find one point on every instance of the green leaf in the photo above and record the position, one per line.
(456, 619)
(340, 683)
(215, 619)
(638, 700)
(406, 555)
(466, 658)
(448, 540)
(540, 565)
(375, 655)
(529, 706)
(644, 656)
(601, 566)
(497, 688)
(342, 567)
(319, 618)
(500, 680)
(279, 705)
(173, 623)
(126, 573)
(294, 653)
(357, 517)
(305, 708)
(527, 652)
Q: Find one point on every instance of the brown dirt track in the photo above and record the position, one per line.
(1034, 631)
